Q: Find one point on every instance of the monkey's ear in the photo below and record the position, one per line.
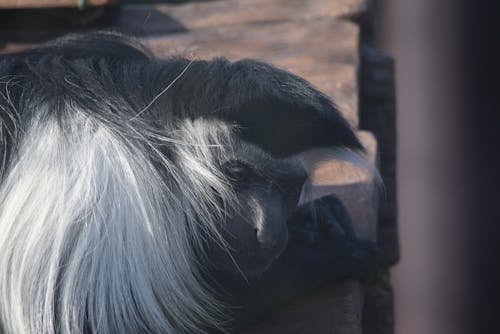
(282, 113)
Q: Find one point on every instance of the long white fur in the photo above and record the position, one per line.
(92, 231)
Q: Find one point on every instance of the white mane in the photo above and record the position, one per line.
(94, 236)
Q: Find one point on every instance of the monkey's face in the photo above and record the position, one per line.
(267, 191)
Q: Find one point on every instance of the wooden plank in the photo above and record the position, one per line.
(297, 46)
(321, 40)
(338, 308)
(334, 309)
(378, 310)
(24, 4)
(163, 19)
(230, 12)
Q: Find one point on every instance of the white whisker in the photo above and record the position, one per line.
(163, 91)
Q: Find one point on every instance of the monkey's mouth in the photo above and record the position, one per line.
(256, 265)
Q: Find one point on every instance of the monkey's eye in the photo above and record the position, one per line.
(238, 172)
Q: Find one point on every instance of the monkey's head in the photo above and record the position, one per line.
(272, 116)
(267, 191)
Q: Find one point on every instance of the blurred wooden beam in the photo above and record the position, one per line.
(25, 4)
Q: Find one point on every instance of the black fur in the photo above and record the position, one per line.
(278, 111)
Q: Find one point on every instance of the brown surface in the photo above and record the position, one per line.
(296, 46)
(378, 311)
(11, 4)
(335, 309)
(282, 41)
(230, 12)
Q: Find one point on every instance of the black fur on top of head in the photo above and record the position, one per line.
(123, 175)
(274, 109)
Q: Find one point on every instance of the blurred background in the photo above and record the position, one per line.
(428, 280)
(445, 51)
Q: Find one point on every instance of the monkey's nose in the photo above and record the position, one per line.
(272, 237)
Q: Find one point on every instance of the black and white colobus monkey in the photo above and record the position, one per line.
(141, 195)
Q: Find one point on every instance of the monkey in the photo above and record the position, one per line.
(149, 195)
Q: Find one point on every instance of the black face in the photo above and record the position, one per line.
(267, 191)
